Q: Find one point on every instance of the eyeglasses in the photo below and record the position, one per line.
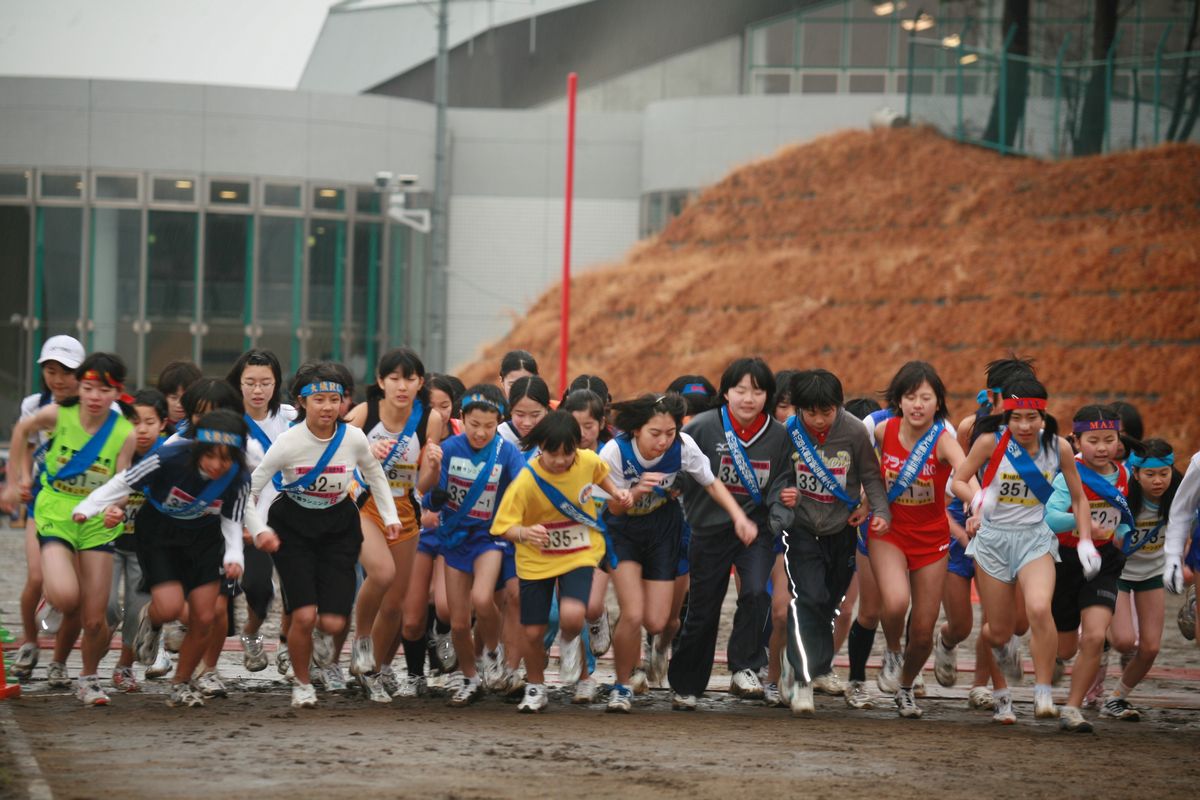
(266, 386)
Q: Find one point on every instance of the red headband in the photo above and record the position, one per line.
(1015, 403)
(107, 379)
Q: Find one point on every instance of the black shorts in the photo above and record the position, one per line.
(318, 550)
(537, 595)
(1072, 593)
(652, 540)
(169, 553)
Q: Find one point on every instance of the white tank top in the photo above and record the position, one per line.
(1016, 506)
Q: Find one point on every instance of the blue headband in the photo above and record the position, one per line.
(320, 387)
(218, 437)
(982, 397)
(1137, 462)
(478, 399)
(695, 388)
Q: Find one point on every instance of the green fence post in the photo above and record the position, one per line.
(1158, 54)
(908, 92)
(1108, 88)
(1002, 138)
(1058, 65)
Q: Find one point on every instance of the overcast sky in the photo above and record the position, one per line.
(238, 42)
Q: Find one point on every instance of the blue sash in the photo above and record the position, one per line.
(1127, 546)
(564, 505)
(309, 478)
(816, 463)
(86, 455)
(261, 437)
(915, 461)
(450, 524)
(410, 429)
(1019, 457)
(632, 469)
(211, 491)
(741, 461)
(1107, 492)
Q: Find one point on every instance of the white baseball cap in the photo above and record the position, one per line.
(66, 350)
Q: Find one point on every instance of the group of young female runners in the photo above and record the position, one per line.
(512, 512)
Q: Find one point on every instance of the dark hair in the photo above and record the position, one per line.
(593, 383)
(106, 364)
(177, 376)
(151, 398)
(530, 386)
(909, 378)
(210, 394)
(630, 415)
(760, 375)
(258, 358)
(781, 383)
(584, 400)
(313, 372)
(491, 393)
(403, 360)
(226, 421)
(862, 407)
(446, 384)
(1028, 386)
(999, 374)
(697, 401)
(515, 360)
(346, 378)
(1099, 413)
(457, 385)
(1155, 448)
(557, 432)
(813, 389)
(1131, 419)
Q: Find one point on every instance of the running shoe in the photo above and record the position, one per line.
(656, 661)
(1060, 671)
(390, 683)
(683, 702)
(1043, 706)
(322, 651)
(600, 635)
(981, 697)
(745, 685)
(470, 690)
(1187, 614)
(26, 660)
(453, 683)
(184, 694)
(1095, 693)
(254, 657)
(57, 677)
(90, 692)
(495, 674)
(123, 680)
(162, 664)
(802, 700)
(145, 641)
(771, 696)
(408, 686)
(858, 695)
(372, 684)
(1008, 659)
(535, 700)
(304, 696)
(585, 692)
(570, 661)
(906, 704)
(888, 679)
(620, 700)
(515, 683)
(945, 662)
(1071, 719)
(919, 685)
(446, 654)
(1119, 708)
(830, 683)
(1005, 715)
(210, 685)
(283, 660)
(335, 679)
(639, 682)
(173, 635)
(362, 657)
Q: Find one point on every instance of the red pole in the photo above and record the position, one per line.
(564, 334)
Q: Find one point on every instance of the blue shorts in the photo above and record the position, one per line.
(508, 567)
(429, 544)
(478, 542)
(651, 540)
(685, 543)
(537, 595)
(960, 563)
(1003, 552)
(1193, 556)
(861, 538)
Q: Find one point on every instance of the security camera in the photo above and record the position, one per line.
(382, 181)
(407, 181)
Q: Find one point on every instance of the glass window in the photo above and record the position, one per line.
(117, 187)
(326, 292)
(15, 369)
(364, 300)
(227, 251)
(62, 185)
(867, 83)
(222, 192)
(818, 84)
(869, 43)
(14, 184)
(282, 195)
(367, 200)
(59, 261)
(175, 190)
(329, 198)
(822, 43)
(280, 264)
(171, 246)
(115, 284)
(775, 44)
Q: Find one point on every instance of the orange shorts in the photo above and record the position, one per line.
(920, 548)
(409, 529)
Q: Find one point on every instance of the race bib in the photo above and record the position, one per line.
(179, 499)
(84, 483)
(327, 490)
(652, 501)
(1151, 534)
(132, 506)
(921, 492)
(1012, 490)
(461, 475)
(810, 486)
(567, 537)
(728, 475)
(1105, 520)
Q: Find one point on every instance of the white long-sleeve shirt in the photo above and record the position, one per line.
(1183, 510)
(297, 451)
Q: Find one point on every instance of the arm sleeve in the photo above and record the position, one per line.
(600, 471)
(610, 454)
(1058, 514)
(867, 463)
(381, 491)
(117, 488)
(1183, 510)
(271, 463)
(695, 463)
(511, 512)
(231, 526)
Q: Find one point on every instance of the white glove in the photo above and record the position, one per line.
(1173, 575)
(1088, 558)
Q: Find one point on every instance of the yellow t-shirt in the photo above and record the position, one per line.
(572, 545)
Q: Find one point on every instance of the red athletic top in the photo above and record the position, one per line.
(1105, 518)
(921, 509)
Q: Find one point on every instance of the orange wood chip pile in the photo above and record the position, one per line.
(862, 250)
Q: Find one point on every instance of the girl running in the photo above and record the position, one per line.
(189, 535)
(547, 512)
(1010, 539)
(175, 379)
(313, 529)
(91, 442)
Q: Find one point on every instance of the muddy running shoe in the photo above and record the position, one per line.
(56, 676)
(335, 679)
(585, 692)
(362, 657)
(468, 691)
(1060, 671)
(1008, 659)
(26, 660)
(304, 696)
(981, 697)
(640, 682)
(146, 640)
(802, 701)
(515, 683)
(185, 695)
(745, 685)
(372, 684)
(620, 700)
(570, 661)
(535, 700)
(495, 674)
(210, 685)
(888, 679)
(1187, 614)
(1071, 719)
(906, 704)
(771, 696)
(123, 680)
(173, 634)
(254, 657)
(1005, 715)
(1043, 706)
(945, 662)
(600, 635)
(858, 695)
(1095, 693)
(162, 664)
(90, 692)
(830, 683)
(656, 661)
(322, 651)
(1119, 708)
(919, 685)
(283, 660)
(683, 702)
(409, 686)
(390, 684)
(443, 647)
